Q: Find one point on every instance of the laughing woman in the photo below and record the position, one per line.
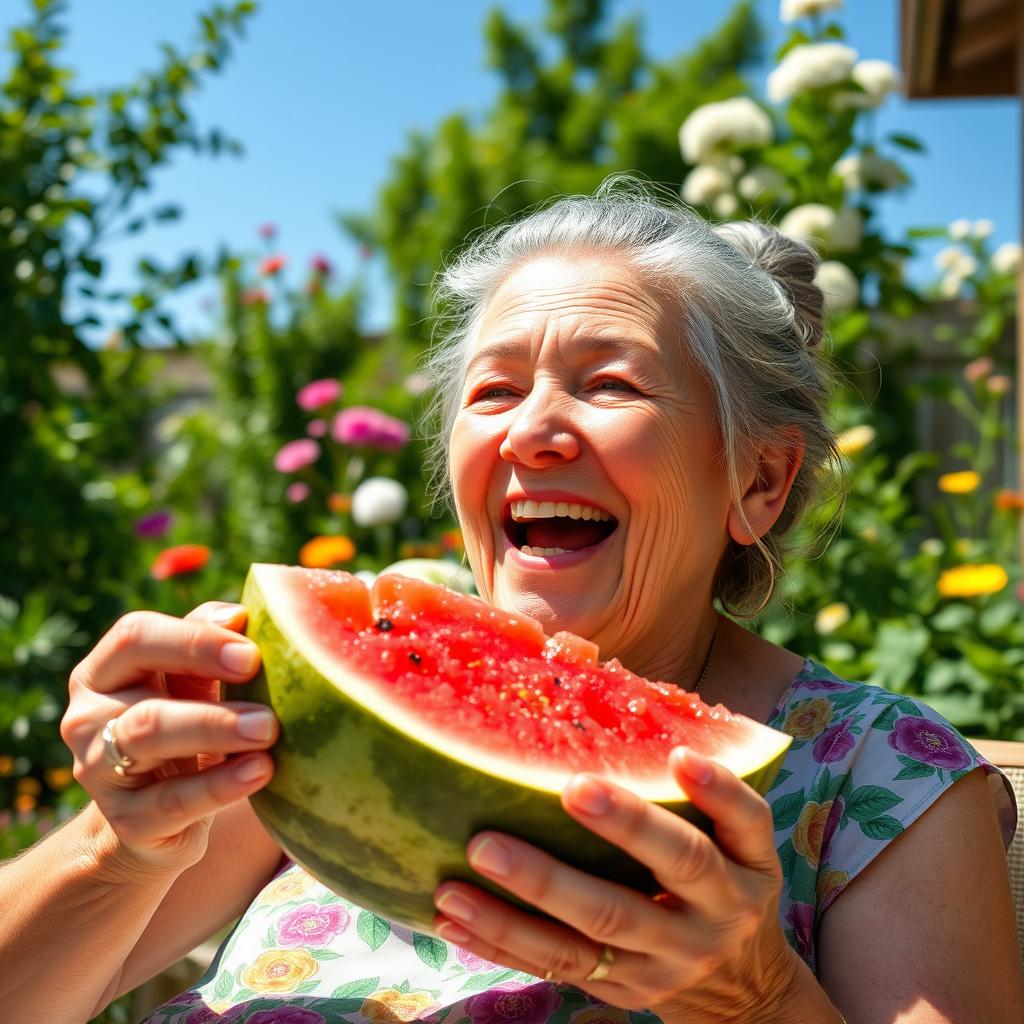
(616, 353)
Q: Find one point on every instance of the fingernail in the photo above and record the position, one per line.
(225, 613)
(239, 657)
(256, 725)
(453, 933)
(696, 768)
(251, 769)
(454, 905)
(588, 795)
(491, 857)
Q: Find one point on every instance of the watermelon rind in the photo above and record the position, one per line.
(379, 808)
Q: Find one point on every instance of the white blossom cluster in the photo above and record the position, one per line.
(716, 127)
(962, 229)
(811, 66)
(870, 170)
(791, 10)
(826, 229)
(839, 286)
(957, 267)
(1006, 259)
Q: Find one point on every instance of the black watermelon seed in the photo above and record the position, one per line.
(579, 725)
(384, 625)
(558, 682)
(414, 658)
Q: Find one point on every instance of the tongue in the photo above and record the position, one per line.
(571, 534)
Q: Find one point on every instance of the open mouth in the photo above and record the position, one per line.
(555, 527)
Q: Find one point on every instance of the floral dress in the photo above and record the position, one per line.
(864, 764)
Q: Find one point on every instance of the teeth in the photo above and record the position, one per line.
(529, 509)
(527, 550)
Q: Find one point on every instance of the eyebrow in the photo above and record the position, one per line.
(513, 351)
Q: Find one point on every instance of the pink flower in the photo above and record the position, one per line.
(318, 393)
(312, 925)
(472, 962)
(297, 492)
(316, 428)
(362, 426)
(296, 455)
(268, 231)
(273, 264)
(320, 265)
(978, 369)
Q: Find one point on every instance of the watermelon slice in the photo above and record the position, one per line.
(413, 716)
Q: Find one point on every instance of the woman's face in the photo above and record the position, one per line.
(585, 461)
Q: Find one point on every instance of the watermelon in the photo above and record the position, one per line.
(412, 717)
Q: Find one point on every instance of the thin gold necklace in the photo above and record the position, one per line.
(707, 660)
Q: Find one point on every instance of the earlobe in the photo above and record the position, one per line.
(768, 484)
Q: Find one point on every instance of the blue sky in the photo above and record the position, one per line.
(322, 93)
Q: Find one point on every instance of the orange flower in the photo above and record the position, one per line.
(387, 1005)
(419, 549)
(808, 719)
(451, 540)
(323, 552)
(340, 502)
(58, 778)
(178, 561)
(273, 264)
(24, 802)
(1010, 500)
(280, 970)
(28, 785)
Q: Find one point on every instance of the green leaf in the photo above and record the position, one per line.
(223, 985)
(307, 986)
(358, 989)
(867, 802)
(432, 951)
(324, 954)
(905, 142)
(820, 789)
(883, 827)
(786, 809)
(478, 982)
(887, 719)
(372, 929)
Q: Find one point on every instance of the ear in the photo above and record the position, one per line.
(767, 484)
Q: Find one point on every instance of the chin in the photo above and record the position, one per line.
(553, 611)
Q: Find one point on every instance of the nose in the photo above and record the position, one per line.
(541, 432)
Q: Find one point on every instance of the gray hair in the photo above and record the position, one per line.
(751, 315)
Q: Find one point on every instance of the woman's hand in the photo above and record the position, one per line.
(709, 948)
(157, 678)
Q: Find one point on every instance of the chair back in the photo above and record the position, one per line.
(1009, 756)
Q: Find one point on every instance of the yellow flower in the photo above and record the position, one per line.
(387, 1005)
(829, 882)
(809, 831)
(808, 719)
(972, 580)
(600, 1015)
(831, 617)
(855, 439)
(959, 483)
(279, 970)
(323, 552)
(291, 886)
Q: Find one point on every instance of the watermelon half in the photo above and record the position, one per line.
(412, 717)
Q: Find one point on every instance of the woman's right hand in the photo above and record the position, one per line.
(193, 754)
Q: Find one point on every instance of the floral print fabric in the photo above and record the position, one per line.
(864, 764)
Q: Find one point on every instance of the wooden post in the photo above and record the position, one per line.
(1019, 375)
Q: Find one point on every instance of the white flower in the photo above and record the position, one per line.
(831, 617)
(931, 546)
(840, 286)
(861, 170)
(739, 122)
(957, 262)
(877, 78)
(824, 228)
(762, 182)
(378, 501)
(959, 229)
(810, 67)
(1006, 259)
(725, 205)
(791, 10)
(982, 228)
(704, 184)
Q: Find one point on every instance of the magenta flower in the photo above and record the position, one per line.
(800, 917)
(321, 265)
(297, 492)
(204, 1015)
(834, 743)
(929, 742)
(370, 428)
(286, 1013)
(268, 231)
(825, 684)
(318, 393)
(296, 455)
(531, 1004)
(316, 428)
(156, 524)
(472, 962)
(312, 925)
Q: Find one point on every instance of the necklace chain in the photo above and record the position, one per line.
(707, 660)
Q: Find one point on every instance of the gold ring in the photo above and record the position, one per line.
(548, 975)
(603, 966)
(112, 751)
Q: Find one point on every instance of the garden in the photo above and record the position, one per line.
(124, 489)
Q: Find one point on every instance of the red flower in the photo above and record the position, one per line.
(178, 561)
(273, 264)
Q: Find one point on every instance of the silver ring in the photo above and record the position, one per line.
(112, 752)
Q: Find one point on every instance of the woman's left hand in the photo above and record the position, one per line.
(709, 948)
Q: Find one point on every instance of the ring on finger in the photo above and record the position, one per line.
(112, 752)
(603, 966)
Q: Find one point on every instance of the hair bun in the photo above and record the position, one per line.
(791, 264)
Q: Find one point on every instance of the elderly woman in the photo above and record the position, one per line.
(616, 352)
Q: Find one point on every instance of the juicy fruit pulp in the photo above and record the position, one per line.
(414, 717)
